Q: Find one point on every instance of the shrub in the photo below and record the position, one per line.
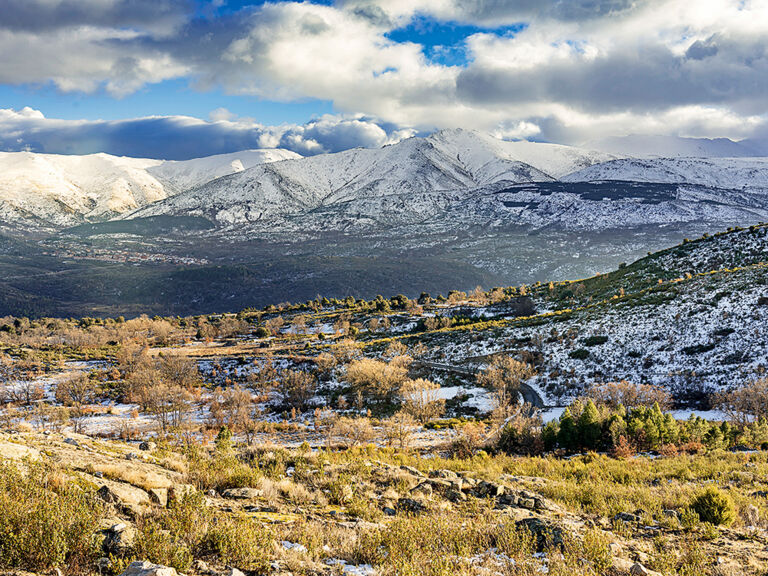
(714, 506)
(46, 522)
(241, 542)
(595, 340)
(579, 354)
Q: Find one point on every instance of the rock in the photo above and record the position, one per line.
(11, 451)
(179, 491)
(614, 548)
(144, 568)
(147, 446)
(119, 539)
(132, 499)
(103, 564)
(488, 489)
(528, 503)
(412, 470)
(410, 505)
(71, 441)
(424, 489)
(389, 511)
(626, 517)
(547, 533)
(132, 456)
(242, 493)
(234, 572)
(441, 485)
(638, 569)
(443, 474)
(159, 496)
(671, 514)
(201, 567)
(456, 495)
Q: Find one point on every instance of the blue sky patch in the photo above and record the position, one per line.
(444, 42)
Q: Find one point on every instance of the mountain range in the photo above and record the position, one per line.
(460, 207)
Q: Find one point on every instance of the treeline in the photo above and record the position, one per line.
(602, 422)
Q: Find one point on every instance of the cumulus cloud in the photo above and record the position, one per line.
(575, 69)
(183, 137)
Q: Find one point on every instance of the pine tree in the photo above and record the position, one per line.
(567, 435)
(590, 427)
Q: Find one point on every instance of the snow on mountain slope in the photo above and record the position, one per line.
(645, 146)
(422, 169)
(178, 176)
(58, 190)
(733, 173)
(63, 190)
(486, 153)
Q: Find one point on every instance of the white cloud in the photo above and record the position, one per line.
(182, 137)
(578, 69)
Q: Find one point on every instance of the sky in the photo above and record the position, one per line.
(185, 78)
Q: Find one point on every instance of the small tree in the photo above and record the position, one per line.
(421, 399)
(745, 404)
(504, 376)
(297, 387)
(398, 429)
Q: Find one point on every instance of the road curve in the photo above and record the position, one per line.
(529, 395)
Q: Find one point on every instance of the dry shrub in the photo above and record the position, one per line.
(629, 395)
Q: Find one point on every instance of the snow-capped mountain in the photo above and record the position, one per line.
(50, 190)
(732, 173)
(178, 176)
(403, 182)
(450, 181)
(649, 146)
(47, 189)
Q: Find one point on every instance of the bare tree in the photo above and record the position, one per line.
(745, 404)
(297, 387)
(399, 429)
(231, 407)
(421, 399)
(629, 395)
(504, 376)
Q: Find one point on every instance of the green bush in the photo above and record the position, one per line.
(595, 340)
(241, 542)
(46, 521)
(579, 354)
(714, 506)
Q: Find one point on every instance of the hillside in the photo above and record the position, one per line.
(362, 435)
(56, 191)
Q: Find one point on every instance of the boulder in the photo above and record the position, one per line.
(179, 491)
(147, 446)
(242, 493)
(547, 533)
(444, 474)
(119, 539)
(159, 496)
(638, 569)
(11, 451)
(410, 505)
(132, 499)
(144, 568)
(423, 489)
(412, 470)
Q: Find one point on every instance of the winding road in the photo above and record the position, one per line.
(529, 395)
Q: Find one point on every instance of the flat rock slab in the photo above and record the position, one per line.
(11, 451)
